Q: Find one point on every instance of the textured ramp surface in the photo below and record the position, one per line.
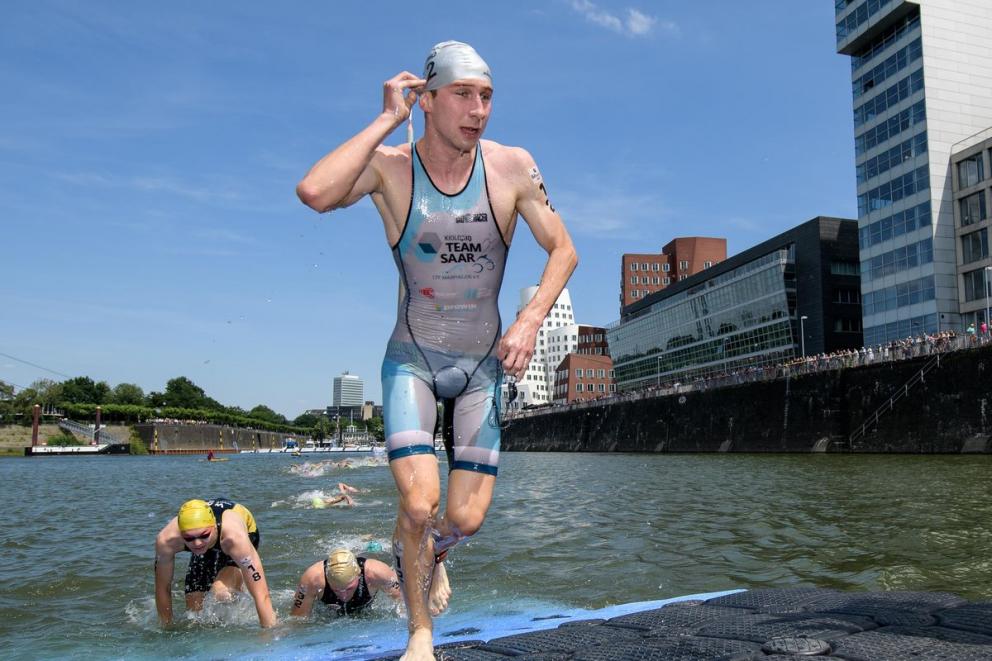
(754, 625)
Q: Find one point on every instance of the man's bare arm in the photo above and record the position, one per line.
(517, 345)
(347, 174)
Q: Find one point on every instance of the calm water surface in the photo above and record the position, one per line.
(565, 530)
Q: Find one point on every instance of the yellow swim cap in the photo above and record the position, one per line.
(196, 514)
(341, 568)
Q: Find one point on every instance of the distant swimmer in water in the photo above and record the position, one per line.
(343, 497)
(223, 538)
(347, 584)
(449, 203)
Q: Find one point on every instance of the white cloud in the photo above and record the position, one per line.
(633, 23)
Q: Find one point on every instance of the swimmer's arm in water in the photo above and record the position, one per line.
(350, 172)
(236, 544)
(381, 576)
(310, 587)
(532, 202)
(165, 562)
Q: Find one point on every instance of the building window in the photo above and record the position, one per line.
(974, 246)
(644, 279)
(683, 264)
(601, 373)
(970, 171)
(666, 267)
(633, 279)
(578, 373)
(578, 387)
(972, 208)
(633, 267)
(654, 266)
(974, 285)
(666, 281)
(613, 387)
(843, 268)
(683, 276)
(644, 266)
(602, 387)
(633, 294)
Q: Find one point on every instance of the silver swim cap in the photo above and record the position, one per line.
(452, 60)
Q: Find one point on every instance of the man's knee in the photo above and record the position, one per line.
(417, 513)
(465, 522)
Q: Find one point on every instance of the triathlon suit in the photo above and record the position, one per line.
(362, 597)
(203, 569)
(450, 255)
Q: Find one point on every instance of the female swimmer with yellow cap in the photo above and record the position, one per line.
(223, 538)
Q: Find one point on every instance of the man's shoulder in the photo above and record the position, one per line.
(505, 161)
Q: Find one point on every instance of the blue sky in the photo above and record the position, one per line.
(149, 154)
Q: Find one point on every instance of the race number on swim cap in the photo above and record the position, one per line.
(195, 514)
(453, 60)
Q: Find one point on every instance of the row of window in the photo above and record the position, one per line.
(843, 295)
(896, 330)
(892, 65)
(595, 387)
(845, 325)
(858, 17)
(890, 128)
(899, 223)
(971, 171)
(892, 35)
(893, 191)
(645, 280)
(897, 296)
(900, 259)
(973, 208)
(976, 285)
(901, 91)
(974, 246)
(596, 337)
(915, 146)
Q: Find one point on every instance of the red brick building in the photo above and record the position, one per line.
(580, 377)
(643, 274)
(592, 341)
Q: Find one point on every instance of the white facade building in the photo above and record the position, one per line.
(349, 390)
(537, 386)
(921, 74)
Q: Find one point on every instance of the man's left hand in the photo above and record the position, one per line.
(516, 348)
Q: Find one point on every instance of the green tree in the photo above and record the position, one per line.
(127, 393)
(305, 420)
(83, 390)
(322, 428)
(183, 393)
(263, 412)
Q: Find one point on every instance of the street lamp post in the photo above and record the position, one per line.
(988, 323)
(802, 333)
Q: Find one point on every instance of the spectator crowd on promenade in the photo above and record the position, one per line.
(910, 347)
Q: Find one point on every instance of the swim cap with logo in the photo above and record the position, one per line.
(196, 514)
(341, 568)
(453, 60)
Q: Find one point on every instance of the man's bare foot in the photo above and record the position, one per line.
(420, 647)
(437, 600)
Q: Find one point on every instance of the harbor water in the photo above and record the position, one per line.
(565, 531)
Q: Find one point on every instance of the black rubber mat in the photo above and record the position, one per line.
(870, 603)
(889, 644)
(562, 639)
(785, 600)
(676, 618)
(760, 627)
(973, 617)
(672, 649)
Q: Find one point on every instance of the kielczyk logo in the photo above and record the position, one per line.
(427, 292)
(472, 218)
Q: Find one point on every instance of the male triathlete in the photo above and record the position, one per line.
(449, 205)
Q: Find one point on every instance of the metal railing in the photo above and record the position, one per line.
(872, 420)
(88, 432)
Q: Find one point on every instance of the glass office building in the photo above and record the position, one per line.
(795, 292)
(921, 82)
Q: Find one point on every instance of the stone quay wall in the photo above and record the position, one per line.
(948, 411)
(192, 438)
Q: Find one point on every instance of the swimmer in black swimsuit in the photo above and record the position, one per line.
(223, 538)
(449, 204)
(344, 583)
